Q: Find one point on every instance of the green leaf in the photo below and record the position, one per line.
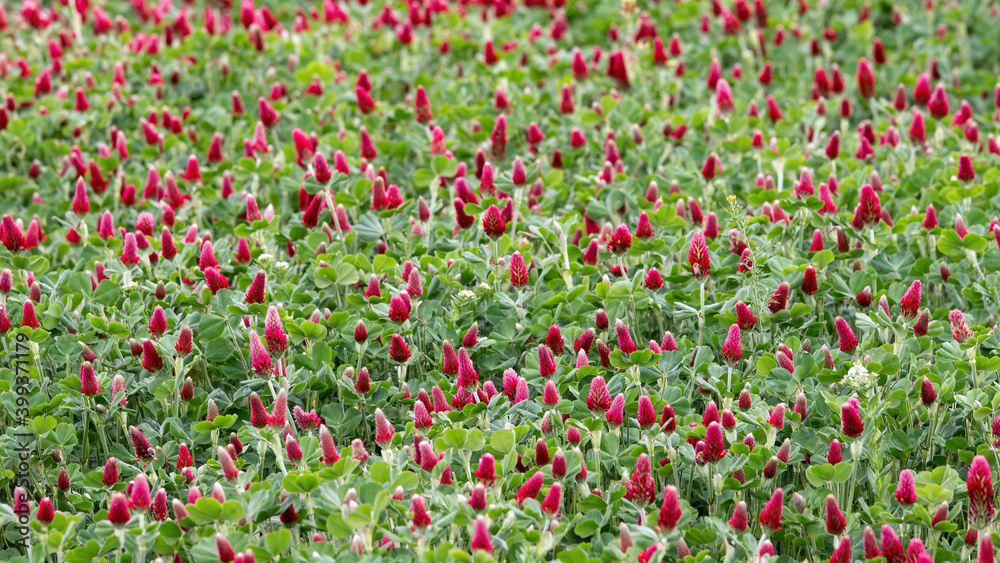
(107, 293)
(211, 326)
(277, 541)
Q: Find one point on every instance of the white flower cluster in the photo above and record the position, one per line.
(858, 376)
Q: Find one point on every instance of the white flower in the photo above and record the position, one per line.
(858, 376)
(265, 258)
(281, 265)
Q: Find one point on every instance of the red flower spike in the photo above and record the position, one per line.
(770, 517)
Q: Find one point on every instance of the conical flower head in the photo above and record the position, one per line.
(698, 257)
(715, 445)
(979, 483)
(835, 521)
(256, 292)
(481, 539)
(274, 332)
(960, 330)
(598, 398)
(467, 376)
(493, 223)
(88, 380)
(329, 449)
(140, 495)
(890, 545)
(399, 351)
(770, 517)
(260, 359)
(645, 416)
(28, 317)
(110, 472)
(850, 416)
(848, 341)
(616, 413)
(118, 513)
(620, 240)
(745, 319)
(906, 489)
(530, 488)
(779, 299)
(383, 429)
(843, 552)
(518, 270)
(670, 510)
(866, 78)
(732, 348)
(139, 443)
(625, 343)
(546, 361)
(910, 303)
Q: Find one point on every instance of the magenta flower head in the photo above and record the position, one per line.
(118, 513)
(546, 361)
(835, 521)
(399, 351)
(530, 488)
(871, 544)
(732, 349)
(110, 472)
(486, 472)
(927, 394)
(226, 554)
(779, 299)
(645, 415)
(937, 105)
(28, 317)
(890, 545)
(770, 517)
(906, 489)
(226, 462)
(616, 414)
(553, 500)
(910, 303)
(518, 270)
(966, 172)
(256, 291)
(620, 240)
(777, 417)
(848, 342)
(329, 449)
(140, 494)
(481, 539)
(850, 416)
(979, 483)
(745, 318)
(739, 521)
(960, 331)
(139, 443)
(670, 510)
(625, 343)
(698, 257)
(493, 223)
(598, 399)
(866, 78)
(274, 332)
(843, 552)
(151, 360)
(259, 357)
(46, 512)
(88, 380)
(715, 446)
(399, 309)
(383, 429)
